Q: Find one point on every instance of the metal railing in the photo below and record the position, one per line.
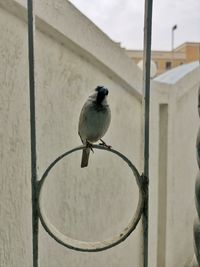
(146, 90)
(142, 180)
(34, 178)
(99, 245)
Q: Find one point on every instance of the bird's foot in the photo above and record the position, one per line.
(88, 144)
(104, 144)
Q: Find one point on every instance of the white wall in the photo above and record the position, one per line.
(88, 204)
(181, 178)
(183, 123)
(15, 196)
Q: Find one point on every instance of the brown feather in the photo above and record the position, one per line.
(85, 157)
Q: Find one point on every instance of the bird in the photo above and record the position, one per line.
(94, 121)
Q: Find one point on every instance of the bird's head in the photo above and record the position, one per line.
(102, 93)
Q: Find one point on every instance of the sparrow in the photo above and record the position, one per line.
(94, 121)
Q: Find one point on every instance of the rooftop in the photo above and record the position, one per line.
(174, 75)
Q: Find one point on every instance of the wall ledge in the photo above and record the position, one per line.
(63, 22)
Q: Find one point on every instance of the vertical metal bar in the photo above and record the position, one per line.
(35, 218)
(146, 88)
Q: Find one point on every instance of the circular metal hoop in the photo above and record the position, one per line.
(83, 245)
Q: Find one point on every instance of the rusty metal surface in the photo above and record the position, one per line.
(146, 90)
(99, 245)
(35, 219)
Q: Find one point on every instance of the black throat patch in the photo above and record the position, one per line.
(100, 97)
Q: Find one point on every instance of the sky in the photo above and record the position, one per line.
(122, 21)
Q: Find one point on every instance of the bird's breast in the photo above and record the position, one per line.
(94, 122)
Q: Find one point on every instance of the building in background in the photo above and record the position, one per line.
(165, 60)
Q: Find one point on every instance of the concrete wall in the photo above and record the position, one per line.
(88, 204)
(175, 202)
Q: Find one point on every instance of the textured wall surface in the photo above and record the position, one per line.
(15, 197)
(94, 201)
(181, 205)
(88, 204)
(181, 99)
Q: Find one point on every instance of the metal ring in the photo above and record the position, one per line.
(83, 245)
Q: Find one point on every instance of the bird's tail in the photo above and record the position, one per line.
(85, 157)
